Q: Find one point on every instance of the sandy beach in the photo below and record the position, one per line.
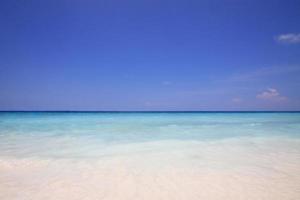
(231, 169)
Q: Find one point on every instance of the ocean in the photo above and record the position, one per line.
(149, 155)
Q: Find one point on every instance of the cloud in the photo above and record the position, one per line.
(290, 38)
(271, 94)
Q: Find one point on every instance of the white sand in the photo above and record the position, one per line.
(241, 169)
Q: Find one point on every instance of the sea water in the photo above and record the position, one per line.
(150, 155)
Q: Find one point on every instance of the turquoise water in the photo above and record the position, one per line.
(63, 134)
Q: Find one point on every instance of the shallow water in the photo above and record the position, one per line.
(149, 155)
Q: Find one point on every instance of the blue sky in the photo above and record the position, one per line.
(150, 55)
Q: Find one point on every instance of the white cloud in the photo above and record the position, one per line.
(290, 38)
(271, 94)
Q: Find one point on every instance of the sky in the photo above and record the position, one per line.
(147, 55)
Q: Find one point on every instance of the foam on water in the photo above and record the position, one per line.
(150, 156)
